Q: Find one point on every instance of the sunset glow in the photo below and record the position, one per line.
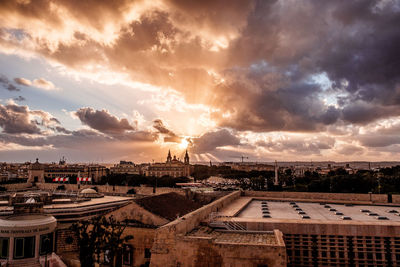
(269, 80)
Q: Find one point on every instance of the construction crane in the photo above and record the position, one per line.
(242, 157)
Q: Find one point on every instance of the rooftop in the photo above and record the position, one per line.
(287, 210)
(168, 206)
(228, 237)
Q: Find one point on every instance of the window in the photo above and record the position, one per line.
(127, 255)
(4, 244)
(147, 253)
(46, 244)
(24, 247)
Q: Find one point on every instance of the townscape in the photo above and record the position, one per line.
(199, 133)
(172, 212)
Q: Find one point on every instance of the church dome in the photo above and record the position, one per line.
(88, 191)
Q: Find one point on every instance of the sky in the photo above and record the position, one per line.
(286, 80)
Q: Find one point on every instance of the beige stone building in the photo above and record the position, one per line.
(126, 167)
(37, 172)
(172, 167)
(250, 228)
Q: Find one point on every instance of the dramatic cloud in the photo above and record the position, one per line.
(6, 84)
(208, 142)
(298, 145)
(103, 121)
(170, 136)
(16, 119)
(323, 70)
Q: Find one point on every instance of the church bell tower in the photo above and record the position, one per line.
(186, 158)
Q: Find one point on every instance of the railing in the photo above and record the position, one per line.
(218, 220)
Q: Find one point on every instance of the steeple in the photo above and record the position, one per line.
(186, 157)
(169, 158)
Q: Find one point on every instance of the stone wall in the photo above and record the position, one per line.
(66, 241)
(374, 198)
(311, 227)
(204, 252)
(164, 251)
(133, 211)
(109, 189)
(142, 240)
(17, 187)
(396, 199)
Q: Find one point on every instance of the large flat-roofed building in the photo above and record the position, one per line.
(239, 228)
(325, 231)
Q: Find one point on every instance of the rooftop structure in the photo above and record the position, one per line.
(168, 206)
(67, 207)
(289, 210)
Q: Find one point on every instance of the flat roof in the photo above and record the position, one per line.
(237, 238)
(294, 210)
(91, 202)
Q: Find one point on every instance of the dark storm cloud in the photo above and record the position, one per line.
(361, 112)
(209, 141)
(353, 42)
(374, 140)
(22, 126)
(253, 61)
(15, 119)
(62, 130)
(382, 137)
(6, 84)
(292, 107)
(159, 126)
(170, 136)
(103, 121)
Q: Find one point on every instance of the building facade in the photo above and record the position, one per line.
(38, 172)
(172, 167)
(126, 167)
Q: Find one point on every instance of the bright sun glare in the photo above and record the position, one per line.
(183, 144)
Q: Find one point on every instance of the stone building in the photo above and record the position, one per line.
(126, 167)
(27, 236)
(172, 167)
(37, 172)
(250, 228)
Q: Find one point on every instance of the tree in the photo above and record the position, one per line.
(98, 236)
